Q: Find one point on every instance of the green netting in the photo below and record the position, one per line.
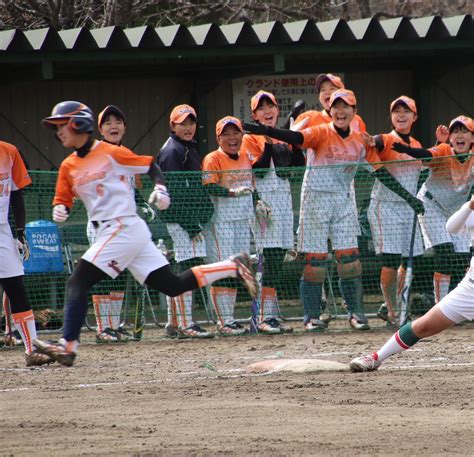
(284, 264)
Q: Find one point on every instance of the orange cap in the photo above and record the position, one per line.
(221, 123)
(407, 101)
(255, 100)
(329, 77)
(345, 95)
(464, 120)
(181, 112)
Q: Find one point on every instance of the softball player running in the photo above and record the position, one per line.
(327, 206)
(107, 308)
(392, 240)
(96, 173)
(455, 307)
(274, 223)
(13, 178)
(228, 180)
(189, 211)
(447, 187)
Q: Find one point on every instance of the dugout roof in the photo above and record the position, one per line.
(232, 50)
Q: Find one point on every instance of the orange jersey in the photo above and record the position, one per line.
(253, 146)
(101, 180)
(450, 180)
(405, 169)
(219, 168)
(325, 147)
(322, 117)
(13, 176)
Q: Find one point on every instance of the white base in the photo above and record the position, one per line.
(296, 366)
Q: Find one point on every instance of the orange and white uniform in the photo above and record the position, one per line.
(328, 208)
(101, 180)
(276, 192)
(13, 176)
(390, 216)
(447, 187)
(229, 229)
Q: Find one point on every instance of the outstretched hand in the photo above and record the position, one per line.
(442, 134)
(298, 126)
(369, 140)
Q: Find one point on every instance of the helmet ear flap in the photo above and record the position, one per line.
(81, 125)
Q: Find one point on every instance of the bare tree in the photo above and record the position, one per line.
(64, 14)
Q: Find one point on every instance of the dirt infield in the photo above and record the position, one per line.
(183, 397)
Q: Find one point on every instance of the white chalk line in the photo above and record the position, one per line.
(228, 374)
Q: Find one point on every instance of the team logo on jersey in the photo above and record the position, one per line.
(114, 265)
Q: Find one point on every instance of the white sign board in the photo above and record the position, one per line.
(286, 88)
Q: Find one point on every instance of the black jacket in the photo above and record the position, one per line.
(190, 206)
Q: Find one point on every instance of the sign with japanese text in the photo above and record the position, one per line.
(286, 88)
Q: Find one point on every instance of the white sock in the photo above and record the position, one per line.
(440, 285)
(101, 306)
(185, 309)
(116, 303)
(269, 304)
(207, 274)
(25, 323)
(223, 299)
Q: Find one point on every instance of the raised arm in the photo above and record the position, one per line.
(458, 220)
(288, 136)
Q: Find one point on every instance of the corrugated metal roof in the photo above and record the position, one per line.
(240, 34)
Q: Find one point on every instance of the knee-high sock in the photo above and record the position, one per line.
(172, 312)
(351, 290)
(115, 308)
(269, 305)
(311, 296)
(398, 342)
(207, 274)
(223, 299)
(388, 285)
(25, 323)
(185, 309)
(440, 285)
(101, 310)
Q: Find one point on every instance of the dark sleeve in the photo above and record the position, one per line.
(387, 179)
(18, 208)
(264, 160)
(156, 175)
(417, 153)
(216, 190)
(288, 136)
(170, 161)
(379, 144)
(297, 158)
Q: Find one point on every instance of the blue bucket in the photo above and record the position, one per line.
(45, 248)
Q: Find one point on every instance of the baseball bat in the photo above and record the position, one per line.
(257, 301)
(139, 322)
(297, 109)
(408, 277)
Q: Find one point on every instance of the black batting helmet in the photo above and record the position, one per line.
(78, 116)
